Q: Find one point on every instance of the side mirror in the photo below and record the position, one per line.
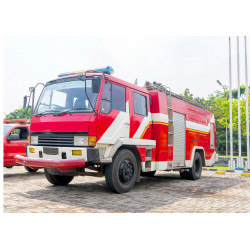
(14, 137)
(96, 85)
(25, 101)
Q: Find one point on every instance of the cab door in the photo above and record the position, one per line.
(140, 117)
(113, 116)
(17, 147)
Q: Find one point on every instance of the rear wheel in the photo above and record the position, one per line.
(60, 180)
(148, 174)
(30, 169)
(195, 172)
(121, 173)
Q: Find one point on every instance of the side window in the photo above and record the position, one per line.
(118, 98)
(211, 135)
(22, 132)
(140, 104)
(15, 131)
(106, 98)
(113, 97)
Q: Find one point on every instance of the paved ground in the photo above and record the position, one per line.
(166, 192)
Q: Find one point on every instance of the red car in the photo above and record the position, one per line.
(15, 139)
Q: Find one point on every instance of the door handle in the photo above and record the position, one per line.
(127, 123)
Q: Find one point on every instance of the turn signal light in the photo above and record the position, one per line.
(76, 152)
(92, 141)
(29, 139)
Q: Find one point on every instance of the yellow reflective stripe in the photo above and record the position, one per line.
(162, 123)
(145, 130)
(198, 131)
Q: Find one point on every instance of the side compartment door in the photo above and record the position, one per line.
(179, 147)
(113, 118)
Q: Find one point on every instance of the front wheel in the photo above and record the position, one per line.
(195, 172)
(30, 169)
(61, 180)
(121, 173)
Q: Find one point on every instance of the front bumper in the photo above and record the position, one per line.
(66, 165)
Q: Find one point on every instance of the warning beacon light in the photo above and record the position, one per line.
(108, 70)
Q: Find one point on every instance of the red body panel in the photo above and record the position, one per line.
(12, 148)
(193, 137)
(65, 122)
(163, 152)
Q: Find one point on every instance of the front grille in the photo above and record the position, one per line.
(56, 140)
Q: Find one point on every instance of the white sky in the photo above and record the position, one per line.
(178, 62)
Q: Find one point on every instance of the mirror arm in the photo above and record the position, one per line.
(27, 109)
(89, 71)
(33, 99)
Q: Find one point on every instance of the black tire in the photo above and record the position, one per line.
(61, 180)
(30, 169)
(195, 172)
(148, 174)
(122, 172)
(183, 174)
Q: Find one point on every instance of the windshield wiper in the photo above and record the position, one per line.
(70, 110)
(47, 111)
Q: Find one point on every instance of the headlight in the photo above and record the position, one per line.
(34, 140)
(80, 140)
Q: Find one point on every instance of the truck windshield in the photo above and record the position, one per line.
(66, 95)
(6, 128)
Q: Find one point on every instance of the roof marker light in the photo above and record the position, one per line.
(108, 70)
(21, 121)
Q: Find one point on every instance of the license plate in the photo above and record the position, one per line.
(50, 151)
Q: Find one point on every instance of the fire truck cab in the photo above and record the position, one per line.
(93, 120)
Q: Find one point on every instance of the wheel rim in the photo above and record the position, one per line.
(126, 171)
(197, 166)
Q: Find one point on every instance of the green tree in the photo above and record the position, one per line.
(218, 104)
(187, 94)
(19, 114)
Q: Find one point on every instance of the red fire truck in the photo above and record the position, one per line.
(93, 120)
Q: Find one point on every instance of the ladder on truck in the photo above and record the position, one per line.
(170, 117)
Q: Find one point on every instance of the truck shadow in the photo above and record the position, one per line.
(150, 193)
(22, 176)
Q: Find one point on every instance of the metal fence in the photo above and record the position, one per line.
(223, 161)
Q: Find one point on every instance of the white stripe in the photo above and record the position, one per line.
(119, 128)
(197, 126)
(200, 127)
(142, 126)
(159, 117)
